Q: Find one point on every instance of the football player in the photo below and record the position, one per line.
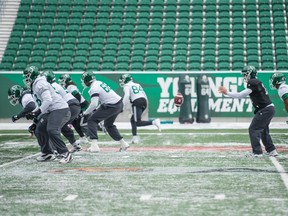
(52, 114)
(74, 107)
(108, 105)
(19, 95)
(134, 95)
(80, 126)
(264, 112)
(278, 82)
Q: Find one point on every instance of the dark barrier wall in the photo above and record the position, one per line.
(161, 88)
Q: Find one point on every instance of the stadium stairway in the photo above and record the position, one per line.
(8, 14)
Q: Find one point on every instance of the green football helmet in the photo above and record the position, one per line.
(249, 72)
(64, 79)
(277, 79)
(14, 94)
(125, 78)
(50, 76)
(30, 74)
(87, 78)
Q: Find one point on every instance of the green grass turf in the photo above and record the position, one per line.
(167, 174)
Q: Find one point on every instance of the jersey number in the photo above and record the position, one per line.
(137, 90)
(105, 87)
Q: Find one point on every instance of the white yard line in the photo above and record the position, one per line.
(281, 171)
(70, 197)
(145, 197)
(21, 159)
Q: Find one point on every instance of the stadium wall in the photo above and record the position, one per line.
(161, 88)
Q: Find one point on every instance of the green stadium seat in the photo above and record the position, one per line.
(13, 46)
(123, 58)
(65, 59)
(194, 66)
(282, 65)
(79, 66)
(38, 52)
(79, 59)
(51, 59)
(94, 66)
(64, 66)
(20, 66)
(180, 66)
(107, 66)
(152, 58)
(224, 66)
(123, 66)
(166, 66)
(136, 66)
(8, 58)
(238, 65)
(167, 50)
(166, 58)
(151, 66)
(6, 66)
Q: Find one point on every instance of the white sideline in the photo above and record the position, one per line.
(281, 171)
(21, 159)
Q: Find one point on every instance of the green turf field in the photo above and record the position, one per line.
(175, 172)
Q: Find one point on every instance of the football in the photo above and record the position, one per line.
(178, 99)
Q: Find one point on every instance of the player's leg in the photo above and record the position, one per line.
(268, 114)
(43, 140)
(56, 120)
(256, 128)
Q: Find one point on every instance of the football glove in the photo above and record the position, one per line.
(15, 118)
(32, 129)
(33, 115)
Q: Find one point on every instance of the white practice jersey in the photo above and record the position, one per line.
(74, 90)
(104, 92)
(46, 97)
(26, 99)
(133, 91)
(283, 91)
(65, 94)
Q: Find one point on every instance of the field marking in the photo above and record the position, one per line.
(70, 197)
(21, 159)
(145, 197)
(220, 197)
(281, 171)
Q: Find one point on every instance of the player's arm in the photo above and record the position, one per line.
(77, 95)
(46, 100)
(126, 100)
(241, 94)
(286, 104)
(27, 109)
(93, 104)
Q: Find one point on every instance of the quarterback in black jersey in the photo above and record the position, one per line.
(264, 112)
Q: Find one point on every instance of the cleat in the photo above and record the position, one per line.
(135, 140)
(157, 123)
(66, 158)
(253, 155)
(76, 147)
(94, 146)
(273, 153)
(124, 145)
(46, 157)
(82, 140)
